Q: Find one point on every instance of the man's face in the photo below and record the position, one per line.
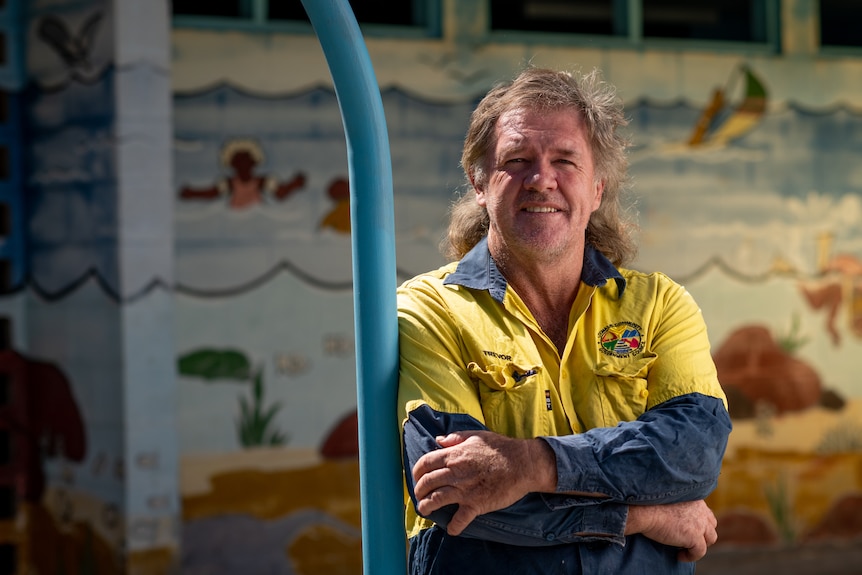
(541, 186)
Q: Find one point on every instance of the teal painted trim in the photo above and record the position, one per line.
(717, 46)
(213, 22)
(836, 52)
(12, 76)
(773, 14)
(241, 25)
(433, 17)
(255, 20)
(770, 12)
(406, 32)
(374, 281)
(292, 27)
(259, 10)
(634, 19)
(558, 39)
(623, 43)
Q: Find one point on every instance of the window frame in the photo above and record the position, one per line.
(631, 14)
(255, 20)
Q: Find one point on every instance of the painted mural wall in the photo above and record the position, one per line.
(753, 201)
(750, 197)
(92, 404)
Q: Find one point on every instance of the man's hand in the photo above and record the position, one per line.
(481, 471)
(689, 526)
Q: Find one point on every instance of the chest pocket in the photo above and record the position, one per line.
(622, 388)
(512, 397)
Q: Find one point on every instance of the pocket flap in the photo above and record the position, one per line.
(502, 377)
(628, 367)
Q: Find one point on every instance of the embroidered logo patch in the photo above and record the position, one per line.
(622, 339)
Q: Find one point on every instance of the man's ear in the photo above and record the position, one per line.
(600, 190)
(478, 188)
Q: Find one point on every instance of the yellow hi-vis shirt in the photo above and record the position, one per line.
(468, 344)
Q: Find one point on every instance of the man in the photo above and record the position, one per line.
(561, 414)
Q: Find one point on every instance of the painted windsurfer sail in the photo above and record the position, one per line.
(720, 123)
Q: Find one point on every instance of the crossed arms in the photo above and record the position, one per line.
(484, 485)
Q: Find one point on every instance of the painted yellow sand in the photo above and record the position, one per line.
(197, 470)
(68, 505)
(794, 432)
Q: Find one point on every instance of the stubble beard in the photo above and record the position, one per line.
(532, 247)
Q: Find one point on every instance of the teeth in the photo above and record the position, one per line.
(541, 210)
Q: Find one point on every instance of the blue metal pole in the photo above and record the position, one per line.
(374, 281)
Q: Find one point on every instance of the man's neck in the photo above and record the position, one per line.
(547, 288)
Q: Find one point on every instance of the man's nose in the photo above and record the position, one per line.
(540, 177)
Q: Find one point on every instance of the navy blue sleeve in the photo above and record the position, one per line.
(534, 520)
(671, 453)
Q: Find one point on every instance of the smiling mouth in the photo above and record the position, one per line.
(538, 210)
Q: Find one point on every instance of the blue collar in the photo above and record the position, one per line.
(477, 270)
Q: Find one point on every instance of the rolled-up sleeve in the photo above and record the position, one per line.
(671, 453)
(535, 520)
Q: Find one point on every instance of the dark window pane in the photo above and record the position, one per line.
(730, 20)
(5, 388)
(8, 503)
(563, 16)
(4, 162)
(8, 559)
(227, 8)
(398, 13)
(5, 456)
(5, 220)
(5, 282)
(839, 22)
(4, 106)
(5, 322)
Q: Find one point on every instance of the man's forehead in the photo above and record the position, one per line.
(515, 127)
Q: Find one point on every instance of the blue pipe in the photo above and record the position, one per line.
(374, 281)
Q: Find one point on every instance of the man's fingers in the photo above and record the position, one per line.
(711, 537)
(436, 499)
(697, 552)
(428, 463)
(432, 481)
(693, 554)
(455, 438)
(459, 522)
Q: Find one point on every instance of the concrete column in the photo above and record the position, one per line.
(100, 299)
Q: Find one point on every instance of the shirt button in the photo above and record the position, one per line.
(550, 537)
(644, 393)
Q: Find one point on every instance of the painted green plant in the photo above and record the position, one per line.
(793, 339)
(255, 425)
(780, 507)
(255, 422)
